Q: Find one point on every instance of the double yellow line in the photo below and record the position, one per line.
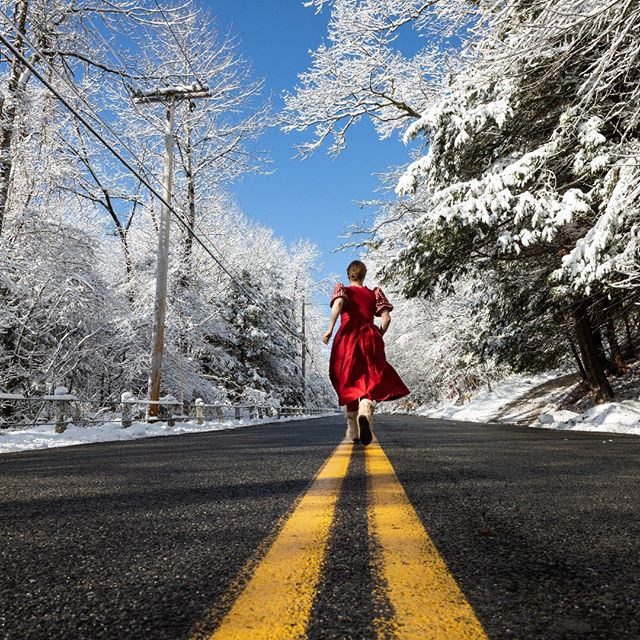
(427, 603)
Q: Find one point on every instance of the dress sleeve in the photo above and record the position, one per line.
(339, 291)
(382, 304)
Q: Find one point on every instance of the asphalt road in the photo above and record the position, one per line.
(154, 538)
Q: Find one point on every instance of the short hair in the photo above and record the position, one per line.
(357, 270)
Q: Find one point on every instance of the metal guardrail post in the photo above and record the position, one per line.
(238, 412)
(219, 413)
(127, 409)
(199, 411)
(260, 412)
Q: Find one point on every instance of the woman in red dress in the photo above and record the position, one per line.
(358, 369)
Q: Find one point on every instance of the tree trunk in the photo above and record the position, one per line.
(107, 202)
(606, 363)
(631, 350)
(590, 351)
(8, 108)
(576, 355)
(616, 353)
(124, 242)
(122, 235)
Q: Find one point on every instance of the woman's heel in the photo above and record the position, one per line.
(365, 420)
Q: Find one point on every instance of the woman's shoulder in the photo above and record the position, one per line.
(339, 291)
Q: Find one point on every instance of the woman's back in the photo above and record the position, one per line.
(360, 306)
(358, 367)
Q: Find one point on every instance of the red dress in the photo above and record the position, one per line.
(358, 367)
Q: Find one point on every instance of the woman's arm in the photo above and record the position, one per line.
(336, 307)
(385, 316)
(383, 309)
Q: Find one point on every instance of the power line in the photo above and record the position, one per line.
(97, 117)
(93, 114)
(119, 156)
(250, 294)
(119, 57)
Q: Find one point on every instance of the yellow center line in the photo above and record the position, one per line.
(427, 602)
(277, 601)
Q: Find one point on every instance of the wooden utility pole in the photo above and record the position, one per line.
(304, 354)
(168, 96)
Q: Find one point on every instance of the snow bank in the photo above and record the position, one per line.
(510, 400)
(484, 406)
(612, 417)
(45, 437)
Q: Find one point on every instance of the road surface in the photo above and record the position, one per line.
(441, 530)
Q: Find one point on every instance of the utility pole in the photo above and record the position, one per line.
(304, 355)
(168, 96)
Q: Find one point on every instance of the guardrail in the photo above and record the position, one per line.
(66, 410)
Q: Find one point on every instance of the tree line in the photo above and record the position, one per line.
(518, 210)
(78, 230)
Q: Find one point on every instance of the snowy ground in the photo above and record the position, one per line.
(534, 401)
(487, 404)
(612, 417)
(44, 436)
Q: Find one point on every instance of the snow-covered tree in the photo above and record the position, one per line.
(78, 245)
(530, 176)
(362, 72)
(528, 161)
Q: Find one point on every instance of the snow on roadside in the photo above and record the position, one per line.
(486, 404)
(510, 400)
(612, 417)
(45, 437)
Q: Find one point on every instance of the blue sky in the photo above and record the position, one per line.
(315, 198)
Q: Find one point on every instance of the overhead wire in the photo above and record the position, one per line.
(142, 113)
(99, 119)
(143, 179)
(117, 55)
